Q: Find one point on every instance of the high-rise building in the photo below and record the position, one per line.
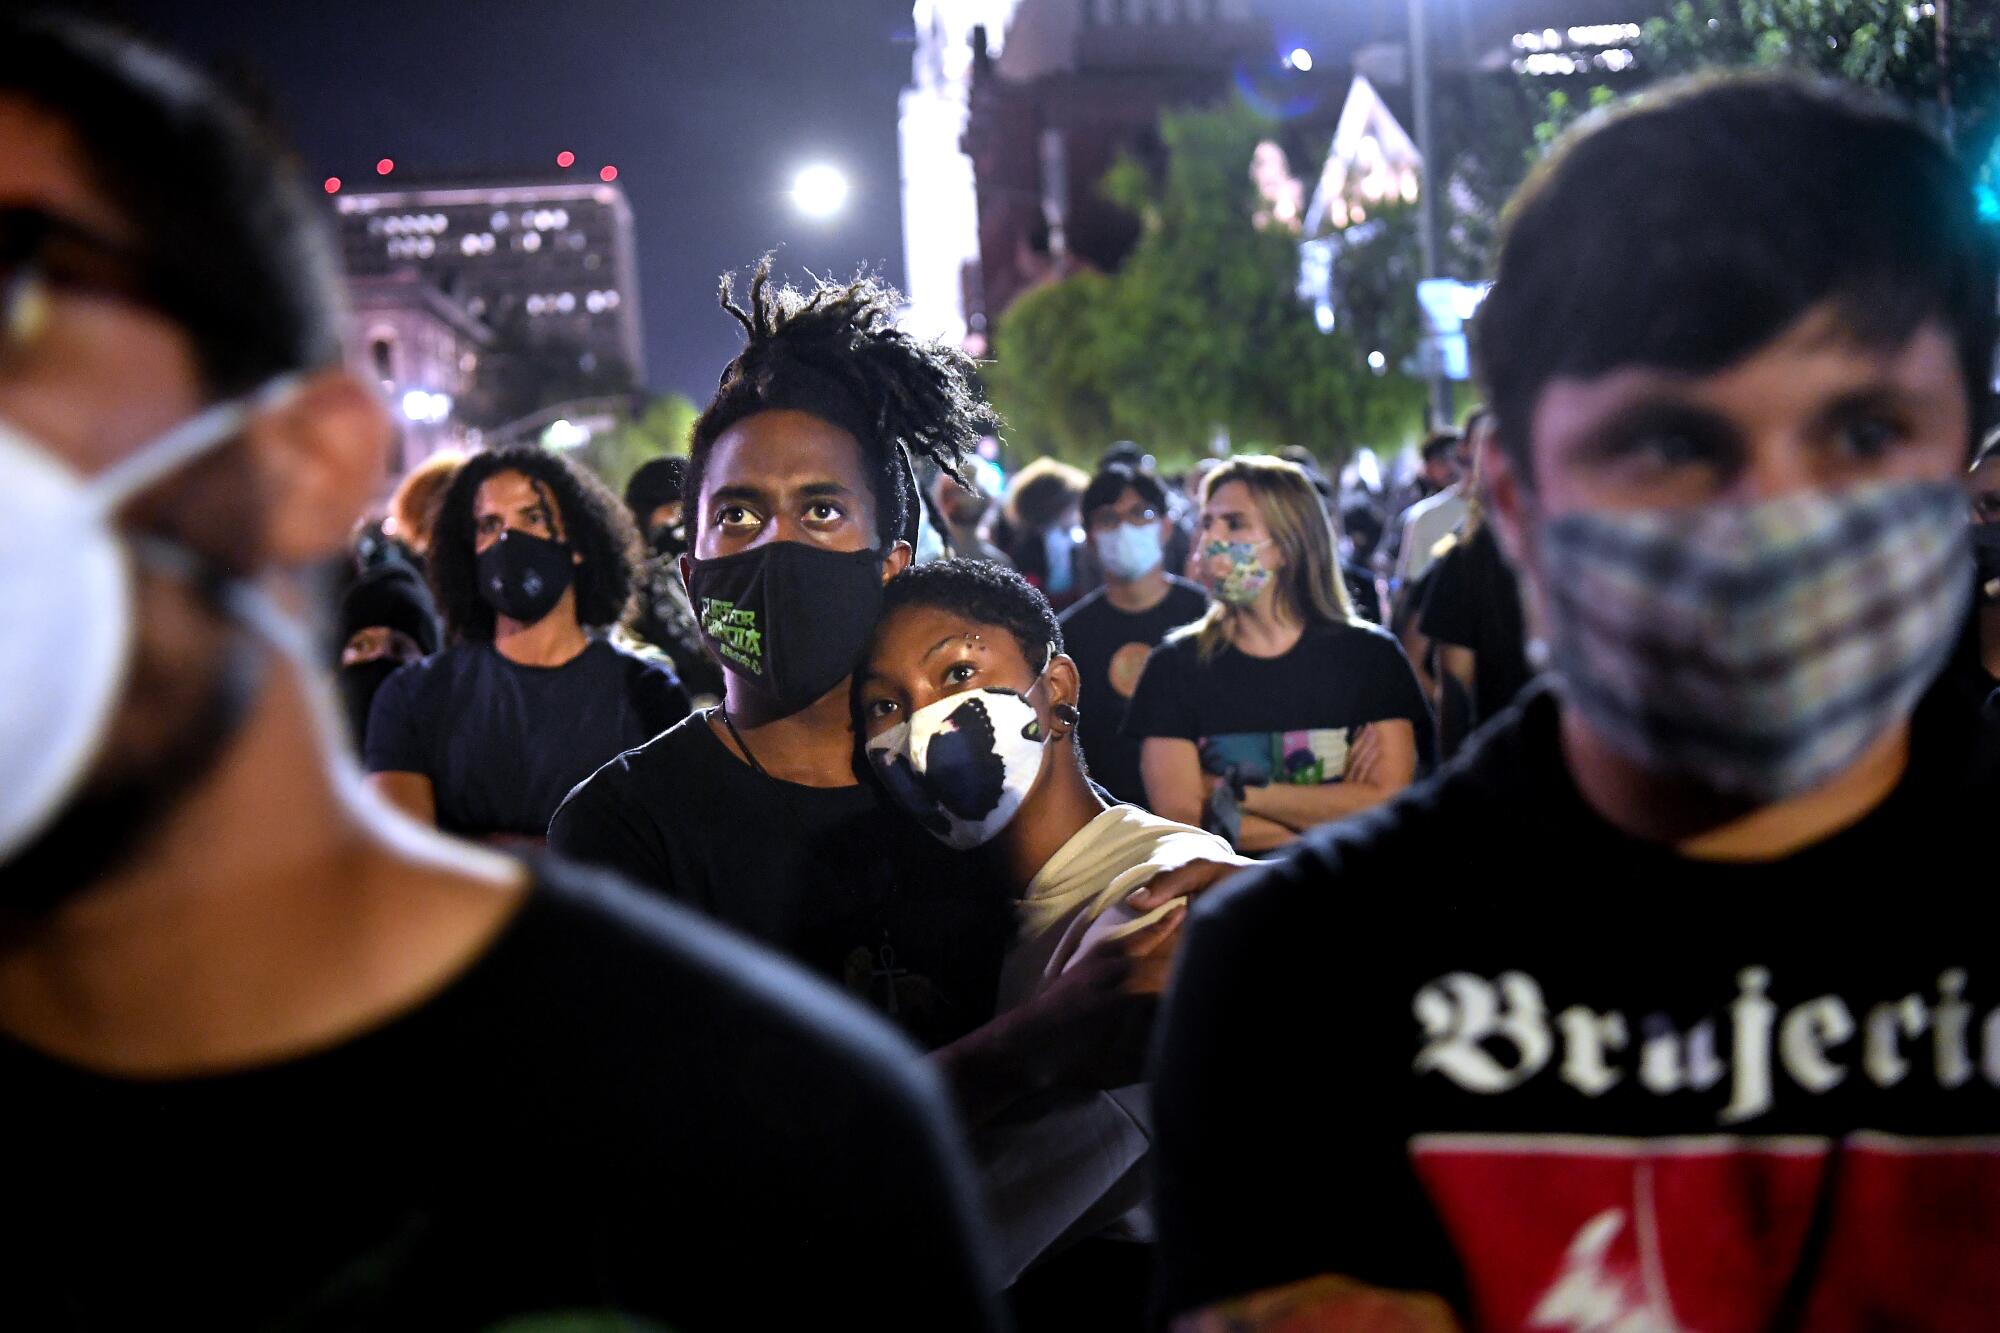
(423, 350)
(550, 263)
(940, 198)
(1016, 110)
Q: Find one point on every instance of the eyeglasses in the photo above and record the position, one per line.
(41, 251)
(1105, 520)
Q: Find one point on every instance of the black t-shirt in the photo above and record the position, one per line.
(1280, 719)
(1483, 1044)
(1110, 647)
(1473, 602)
(618, 1106)
(1967, 670)
(503, 743)
(1363, 591)
(836, 878)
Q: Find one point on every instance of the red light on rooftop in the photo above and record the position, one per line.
(565, 158)
(608, 174)
(333, 185)
(385, 166)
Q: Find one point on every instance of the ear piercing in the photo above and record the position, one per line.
(1067, 713)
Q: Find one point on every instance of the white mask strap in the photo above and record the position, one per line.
(181, 445)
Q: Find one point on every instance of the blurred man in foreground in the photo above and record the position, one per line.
(1728, 1059)
(274, 1057)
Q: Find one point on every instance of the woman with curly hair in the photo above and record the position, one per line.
(532, 559)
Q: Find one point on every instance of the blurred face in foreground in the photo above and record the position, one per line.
(91, 372)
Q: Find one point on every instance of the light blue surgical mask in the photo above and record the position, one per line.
(1130, 550)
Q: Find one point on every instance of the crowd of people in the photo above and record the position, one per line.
(1231, 901)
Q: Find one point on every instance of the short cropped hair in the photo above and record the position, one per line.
(1113, 480)
(1440, 442)
(1687, 227)
(656, 482)
(592, 518)
(990, 594)
(234, 250)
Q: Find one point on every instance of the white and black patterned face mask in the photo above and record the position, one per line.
(1759, 648)
(964, 764)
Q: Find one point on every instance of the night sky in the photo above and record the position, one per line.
(706, 109)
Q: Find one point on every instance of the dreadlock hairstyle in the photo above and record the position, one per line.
(837, 354)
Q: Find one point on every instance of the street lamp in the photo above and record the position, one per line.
(819, 191)
(1427, 198)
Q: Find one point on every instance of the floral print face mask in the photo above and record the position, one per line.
(1232, 573)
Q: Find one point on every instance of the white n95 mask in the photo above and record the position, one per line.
(66, 581)
(964, 764)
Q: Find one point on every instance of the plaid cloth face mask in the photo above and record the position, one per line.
(1760, 648)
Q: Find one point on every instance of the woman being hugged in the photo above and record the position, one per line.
(1279, 709)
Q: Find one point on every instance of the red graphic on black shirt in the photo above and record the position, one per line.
(1710, 1235)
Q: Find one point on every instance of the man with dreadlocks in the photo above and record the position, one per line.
(801, 505)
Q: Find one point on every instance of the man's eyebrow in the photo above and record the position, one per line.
(738, 492)
(820, 489)
(1879, 394)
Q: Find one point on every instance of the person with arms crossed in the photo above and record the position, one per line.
(1730, 1064)
(1278, 710)
(286, 1058)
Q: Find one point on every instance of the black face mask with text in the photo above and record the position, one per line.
(791, 617)
(523, 576)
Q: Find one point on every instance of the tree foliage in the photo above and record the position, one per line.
(660, 430)
(1891, 47)
(1202, 329)
(1048, 375)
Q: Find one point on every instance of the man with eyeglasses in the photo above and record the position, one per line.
(1111, 631)
(274, 1056)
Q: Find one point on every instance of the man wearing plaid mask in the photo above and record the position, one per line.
(1619, 1051)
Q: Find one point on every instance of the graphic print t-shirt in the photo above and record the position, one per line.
(836, 878)
(1280, 719)
(503, 743)
(1110, 648)
(1574, 1081)
(618, 1107)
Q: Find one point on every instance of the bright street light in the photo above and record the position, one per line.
(1300, 59)
(819, 191)
(421, 405)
